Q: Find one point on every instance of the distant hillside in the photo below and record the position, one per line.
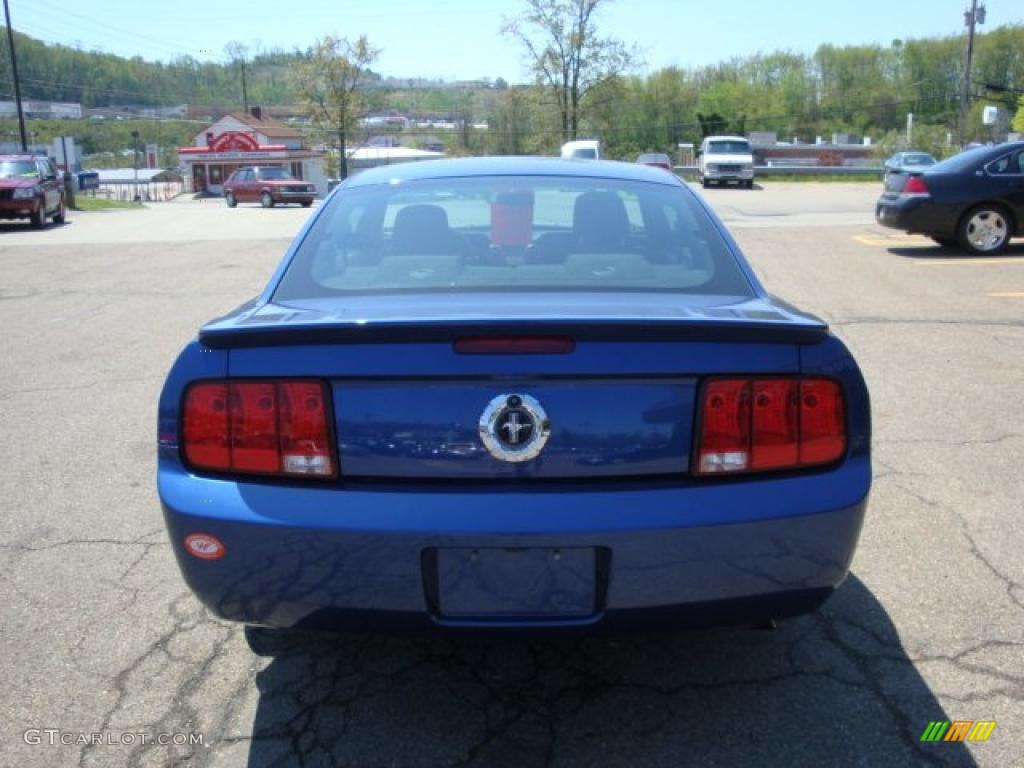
(62, 73)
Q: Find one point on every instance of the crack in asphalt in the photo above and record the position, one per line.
(974, 549)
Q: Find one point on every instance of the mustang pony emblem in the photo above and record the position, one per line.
(514, 427)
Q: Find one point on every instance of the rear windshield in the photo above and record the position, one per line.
(512, 234)
(918, 159)
(728, 148)
(963, 161)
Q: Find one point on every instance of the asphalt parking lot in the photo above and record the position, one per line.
(99, 635)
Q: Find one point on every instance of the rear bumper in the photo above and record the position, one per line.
(916, 215)
(366, 556)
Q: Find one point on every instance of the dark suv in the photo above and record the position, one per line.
(30, 189)
(267, 185)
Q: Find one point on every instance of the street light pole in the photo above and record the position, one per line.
(972, 16)
(135, 148)
(17, 83)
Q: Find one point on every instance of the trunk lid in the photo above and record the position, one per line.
(621, 403)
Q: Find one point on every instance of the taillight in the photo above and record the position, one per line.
(266, 427)
(915, 187)
(769, 423)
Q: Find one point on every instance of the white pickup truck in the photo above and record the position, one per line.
(723, 159)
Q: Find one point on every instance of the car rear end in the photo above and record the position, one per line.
(908, 203)
(336, 460)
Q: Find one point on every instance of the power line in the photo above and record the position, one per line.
(111, 28)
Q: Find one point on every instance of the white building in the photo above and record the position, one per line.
(239, 139)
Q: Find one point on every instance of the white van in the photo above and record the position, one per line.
(724, 159)
(585, 149)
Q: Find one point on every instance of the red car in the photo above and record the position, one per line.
(30, 189)
(656, 159)
(267, 185)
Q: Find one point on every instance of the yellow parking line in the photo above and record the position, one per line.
(890, 240)
(1008, 295)
(955, 262)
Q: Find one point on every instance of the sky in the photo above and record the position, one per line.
(461, 39)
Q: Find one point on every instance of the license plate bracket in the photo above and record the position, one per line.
(515, 583)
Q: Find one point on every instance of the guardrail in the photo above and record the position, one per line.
(868, 173)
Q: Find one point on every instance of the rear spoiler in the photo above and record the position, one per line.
(231, 336)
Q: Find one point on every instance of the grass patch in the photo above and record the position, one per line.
(87, 203)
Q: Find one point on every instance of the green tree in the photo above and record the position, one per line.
(567, 55)
(328, 82)
(1018, 120)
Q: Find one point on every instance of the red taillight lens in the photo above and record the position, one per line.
(822, 421)
(776, 406)
(725, 437)
(755, 424)
(916, 187)
(305, 439)
(259, 427)
(207, 440)
(254, 438)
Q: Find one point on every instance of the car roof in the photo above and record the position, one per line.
(984, 154)
(510, 166)
(726, 138)
(19, 157)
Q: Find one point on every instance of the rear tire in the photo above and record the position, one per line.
(705, 183)
(306, 203)
(62, 212)
(267, 200)
(984, 229)
(39, 217)
(268, 641)
(230, 200)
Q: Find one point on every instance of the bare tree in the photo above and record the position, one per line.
(329, 81)
(566, 53)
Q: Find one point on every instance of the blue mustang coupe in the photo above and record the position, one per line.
(513, 393)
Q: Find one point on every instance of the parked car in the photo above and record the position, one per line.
(656, 159)
(31, 189)
(584, 149)
(645, 435)
(974, 200)
(268, 185)
(907, 162)
(725, 159)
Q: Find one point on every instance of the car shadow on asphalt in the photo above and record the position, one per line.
(832, 688)
(940, 252)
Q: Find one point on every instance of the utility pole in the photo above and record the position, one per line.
(17, 83)
(972, 16)
(245, 92)
(135, 148)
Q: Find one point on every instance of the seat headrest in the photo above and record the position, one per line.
(421, 229)
(600, 221)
